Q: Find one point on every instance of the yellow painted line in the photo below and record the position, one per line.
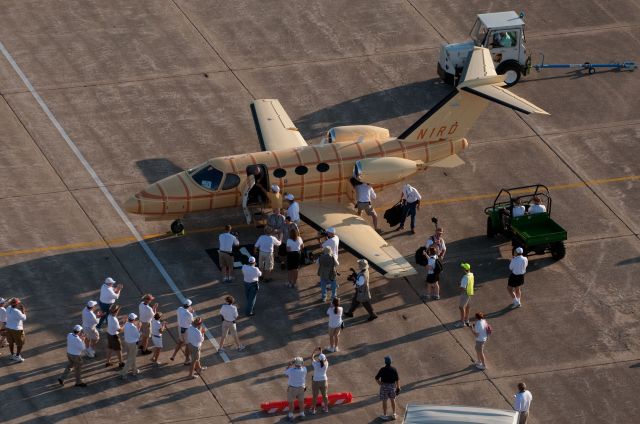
(129, 239)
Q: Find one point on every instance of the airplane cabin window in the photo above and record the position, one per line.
(231, 181)
(322, 167)
(279, 173)
(208, 177)
(301, 170)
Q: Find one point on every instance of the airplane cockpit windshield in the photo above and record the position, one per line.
(208, 177)
(478, 33)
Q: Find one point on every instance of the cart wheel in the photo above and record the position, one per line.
(558, 250)
(177, 227)
(511, 71)
(490, 232)
(592, 71)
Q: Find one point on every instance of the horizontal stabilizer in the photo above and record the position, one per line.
(504, 97)
(448, 162)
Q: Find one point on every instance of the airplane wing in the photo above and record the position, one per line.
(448, 162)
(356, 234)
(275, 129)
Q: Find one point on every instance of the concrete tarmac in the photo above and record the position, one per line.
(147, 88)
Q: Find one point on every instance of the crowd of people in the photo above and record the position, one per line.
(131, 335)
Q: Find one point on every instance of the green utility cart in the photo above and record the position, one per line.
(512, 215)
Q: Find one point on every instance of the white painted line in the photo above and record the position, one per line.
(104, 190)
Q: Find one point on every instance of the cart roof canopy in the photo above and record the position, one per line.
(501, 19)
(435, 414)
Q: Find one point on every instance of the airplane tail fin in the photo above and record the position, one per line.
(454, 116)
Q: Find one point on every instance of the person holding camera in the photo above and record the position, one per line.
(229, 315)
(91, 334)
(319, 382)
(226, 242)
(157, 328)
(327, 271)
(389, 382)
(335, 324)
(16, 315)
(108, 296)
(362, 294)
(297, 376)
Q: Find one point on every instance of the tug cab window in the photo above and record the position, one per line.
(208, 177)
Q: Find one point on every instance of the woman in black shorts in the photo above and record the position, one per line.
(294, 248)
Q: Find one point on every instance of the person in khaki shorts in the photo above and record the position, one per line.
(195, 337)
(319, 381)
(466, 293)
(297, 374)
(226, 242)
(146, 316)
(229, 315)
(75, 347)
(89, 330)
(264, 246)
(16, 315)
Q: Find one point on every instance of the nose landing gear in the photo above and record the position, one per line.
(177, 228)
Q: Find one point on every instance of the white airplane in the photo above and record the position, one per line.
(320, 176)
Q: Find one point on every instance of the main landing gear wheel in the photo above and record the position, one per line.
(177, 228)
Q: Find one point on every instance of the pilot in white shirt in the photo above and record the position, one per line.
(364, 196)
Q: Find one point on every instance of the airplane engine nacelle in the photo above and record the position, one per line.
(356, 132)
(387, 170)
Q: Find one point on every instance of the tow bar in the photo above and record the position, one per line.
(590, 67)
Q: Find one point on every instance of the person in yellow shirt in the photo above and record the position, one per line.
(466, 292)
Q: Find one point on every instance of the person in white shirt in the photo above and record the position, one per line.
(146, 312)
(411, 198)
(319, 381)
(335, 324)
(109, 293)
(479, 330)
(537, 206)
(16, 315)
(282, 249)
(293, 210)
(264, 247)
(364, 196)
(363, 293)
(332, 241)
(294, 255)
(91, 334)
(522, 403)
(518, 267)
(226, 242)
(131, 338)
(185, 318)
(297, 376)
(518, 209)
(433, 277)
(437, 241)
(229, 315)
(251, 275)
(157, 328)
(113, 336)
(3, 321)
(195, 337)
(75, 347)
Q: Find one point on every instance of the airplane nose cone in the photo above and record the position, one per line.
(132, 205)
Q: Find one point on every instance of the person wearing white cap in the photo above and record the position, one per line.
(297, 376)
(294, 209)
(251, 275)
(274, 196)
(146, 313)
(518, 267)
(333, 242)
(411, 200)
(3, 321)
(319, 382)
(226, 242)
(109, 293)
(362, 295)
(91, 334)
(185, 318)
(75, 347)
(131, 338)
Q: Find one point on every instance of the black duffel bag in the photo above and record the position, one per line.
(394, 215)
